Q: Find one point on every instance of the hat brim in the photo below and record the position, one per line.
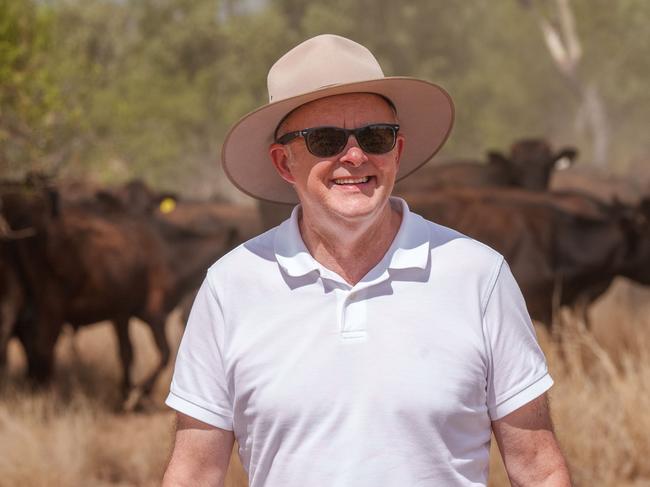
(425, 112)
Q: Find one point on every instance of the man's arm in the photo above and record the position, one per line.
(201, 454)
(529, 448)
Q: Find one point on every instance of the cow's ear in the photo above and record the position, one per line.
(496, 158)
(565, 158)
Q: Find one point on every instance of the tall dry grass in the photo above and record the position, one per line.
(600, 402)
(73, 435)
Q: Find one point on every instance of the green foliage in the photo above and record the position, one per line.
(616, 59)
(28, 95)
(114, 89)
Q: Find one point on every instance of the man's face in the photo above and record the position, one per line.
(352, 184)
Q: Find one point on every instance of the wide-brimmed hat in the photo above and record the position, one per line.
(323, 66)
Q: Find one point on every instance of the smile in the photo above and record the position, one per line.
(352, 180)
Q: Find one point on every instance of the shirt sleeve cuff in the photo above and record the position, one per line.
(196, 411)
(534, 390)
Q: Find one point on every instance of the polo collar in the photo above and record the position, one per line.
(290, 250)
(410, 248)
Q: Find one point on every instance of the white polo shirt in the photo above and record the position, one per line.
(391, 382)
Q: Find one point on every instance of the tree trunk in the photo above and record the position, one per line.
(564, 47)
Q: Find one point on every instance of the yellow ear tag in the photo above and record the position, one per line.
(167, 205)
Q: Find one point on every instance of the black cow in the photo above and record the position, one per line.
(566, 242)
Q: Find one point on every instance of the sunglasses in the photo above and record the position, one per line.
(376, 138)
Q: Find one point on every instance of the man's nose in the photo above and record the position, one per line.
(352, 154)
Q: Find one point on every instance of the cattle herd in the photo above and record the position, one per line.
(77, 254)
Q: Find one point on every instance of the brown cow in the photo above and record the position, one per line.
(550, 241)
(84, 266)
(244, 219)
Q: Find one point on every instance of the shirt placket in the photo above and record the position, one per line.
(352, 312)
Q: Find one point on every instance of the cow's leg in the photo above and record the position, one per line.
(157, 326)
(39, 338)
(11, 302)
(121, 327)
(7, 323)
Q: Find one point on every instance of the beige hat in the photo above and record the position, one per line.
(323, 66)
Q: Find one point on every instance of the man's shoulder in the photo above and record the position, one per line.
(445, 239)
(455, 250)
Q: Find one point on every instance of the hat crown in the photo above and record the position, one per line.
(324, 60)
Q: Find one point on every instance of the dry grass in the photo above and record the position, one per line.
(600, 400)
(72, 435)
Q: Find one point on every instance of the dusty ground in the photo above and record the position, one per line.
(72, 435)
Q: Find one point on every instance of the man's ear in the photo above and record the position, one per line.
(279, 154)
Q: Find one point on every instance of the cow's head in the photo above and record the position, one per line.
(134, 197)
(531, 162)
(26, 209)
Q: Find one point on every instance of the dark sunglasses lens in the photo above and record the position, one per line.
(326, 141)
(377, 139)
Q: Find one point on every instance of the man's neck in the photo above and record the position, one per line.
(351, 249)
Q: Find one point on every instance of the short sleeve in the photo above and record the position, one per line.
(517, 367)
(199, 386)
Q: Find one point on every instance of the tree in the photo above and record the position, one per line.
(114, 89)
(28, 95)
(565, 48)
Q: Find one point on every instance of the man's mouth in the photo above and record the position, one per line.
(343, 181)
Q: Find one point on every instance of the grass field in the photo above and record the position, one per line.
(73, 434)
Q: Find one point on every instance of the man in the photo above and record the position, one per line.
(356, 344)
